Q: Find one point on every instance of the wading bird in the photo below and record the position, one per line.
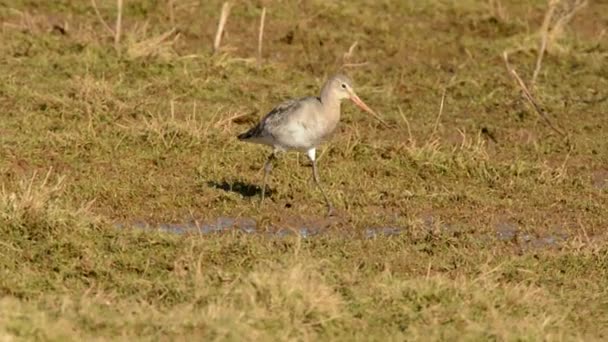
(302, 124)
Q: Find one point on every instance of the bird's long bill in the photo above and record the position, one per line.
(362, 105)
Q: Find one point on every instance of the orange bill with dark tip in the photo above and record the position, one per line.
(362, 105)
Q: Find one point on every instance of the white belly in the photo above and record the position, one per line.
(298, 137)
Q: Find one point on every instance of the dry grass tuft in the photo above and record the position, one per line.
(161, 46)
(32, 203)
(139, 44)
(36, 207)
(438, 297)
(470, 155)
(93, 96)
(188, 126)
(292, 296)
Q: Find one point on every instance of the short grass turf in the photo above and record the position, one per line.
(501, 223)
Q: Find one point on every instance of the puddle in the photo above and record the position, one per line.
(504, 230)
(543, 242)
(379, 231)
(510, 231)
(249, 226)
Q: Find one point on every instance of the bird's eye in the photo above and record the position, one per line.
(343, 85)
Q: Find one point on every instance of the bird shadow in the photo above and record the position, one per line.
(239, 187)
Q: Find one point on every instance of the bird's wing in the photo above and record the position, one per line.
(282, 112)
(275, 118)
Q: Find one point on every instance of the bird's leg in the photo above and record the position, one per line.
(267, 167)
(315, 174)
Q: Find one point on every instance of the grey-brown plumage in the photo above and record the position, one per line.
(273, 118)
(302, 124)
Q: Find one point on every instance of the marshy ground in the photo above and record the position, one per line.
(475, 221)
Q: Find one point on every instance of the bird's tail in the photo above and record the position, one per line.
(244, 136)
(251, 133)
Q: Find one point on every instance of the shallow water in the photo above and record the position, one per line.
(504, 231)
(247, 225)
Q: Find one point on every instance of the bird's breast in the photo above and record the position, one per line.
(328, 123)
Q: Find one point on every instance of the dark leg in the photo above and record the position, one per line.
(315, 174)
(267, 167)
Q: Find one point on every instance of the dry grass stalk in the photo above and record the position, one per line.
(528, 95)
(220, 27)
(348, 55)
(497, 9)
(118, 24)
(569, 11)
(117, 31)
(584, 230)
(436, 126)
(428, 271)
(101, 20)
(407, 125)
(559, 13)
(261, 34)
(544, 33)
(171, 8)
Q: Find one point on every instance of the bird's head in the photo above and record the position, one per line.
(341, 87)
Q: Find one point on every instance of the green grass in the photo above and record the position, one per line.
(92, 136)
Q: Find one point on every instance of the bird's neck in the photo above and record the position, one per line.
(330, 113)
(331, 109)
(330, 100)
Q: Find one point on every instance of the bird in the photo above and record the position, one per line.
(302, 124)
